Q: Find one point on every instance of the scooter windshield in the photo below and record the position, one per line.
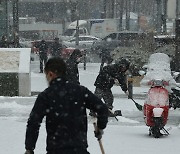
(158, 96)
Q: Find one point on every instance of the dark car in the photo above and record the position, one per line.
(118, 39)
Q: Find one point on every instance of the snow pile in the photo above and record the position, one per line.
(158, 68)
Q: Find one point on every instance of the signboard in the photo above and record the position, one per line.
(15, 79)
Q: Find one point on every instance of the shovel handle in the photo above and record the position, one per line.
(113, 114)
(100, 142)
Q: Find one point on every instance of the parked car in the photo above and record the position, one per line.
(66, 52)
(118, 39)
(85, 42)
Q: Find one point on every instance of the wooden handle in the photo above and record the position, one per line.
(100, 142)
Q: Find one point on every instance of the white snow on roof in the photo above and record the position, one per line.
(74, 24)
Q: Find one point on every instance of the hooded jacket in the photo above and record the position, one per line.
(106, 77)
(72, 73)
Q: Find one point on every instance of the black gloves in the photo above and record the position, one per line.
(29, 152)
(98, 133)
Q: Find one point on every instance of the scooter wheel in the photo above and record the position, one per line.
(150, 134)
(150, 131)
(156, 132)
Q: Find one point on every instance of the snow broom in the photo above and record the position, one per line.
(139, 107)
(100, 142)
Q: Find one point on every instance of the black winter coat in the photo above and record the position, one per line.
(64, 105)
(72, 73)
(56, 49)
(43, 48)
(106, 77)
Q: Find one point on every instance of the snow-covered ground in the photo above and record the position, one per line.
(126, 136)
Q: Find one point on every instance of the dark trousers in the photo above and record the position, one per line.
(106, 95)
(43, 59)
(69, 151)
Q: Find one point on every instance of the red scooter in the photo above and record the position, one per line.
(156, 108)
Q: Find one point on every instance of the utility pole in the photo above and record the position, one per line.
(177, 38)
(77, 26)
(177, 9)
(121, 15)
(138, 6)
(15, 23)
(159, 16)
(112, 8)
(164, 16)
(104, 8)
(127, 14)
(3, 18)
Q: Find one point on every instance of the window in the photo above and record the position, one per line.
(82, 39)
(69, 32)
(73, 40)
(81, 31)
(112, 36)
(128, 39)
(90, 39)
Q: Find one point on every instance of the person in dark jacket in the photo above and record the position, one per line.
(4, 43)
(64, 105)
(105, 58)
(72, 66)
(56, 48)
(106, 79)
(43, 49)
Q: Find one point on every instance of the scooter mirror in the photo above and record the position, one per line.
(141, 72)
(178, 85)
(145, 67)
(175, 74)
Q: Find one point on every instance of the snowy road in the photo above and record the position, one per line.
(10, 105)
(128, 135)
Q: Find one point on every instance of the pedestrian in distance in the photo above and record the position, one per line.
(72, 66)
(43, 49)
(4, 42)
(105, 57)
(64, 105)
(106, 79)
(56, 48)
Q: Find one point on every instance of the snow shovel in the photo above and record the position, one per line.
(100, 142)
